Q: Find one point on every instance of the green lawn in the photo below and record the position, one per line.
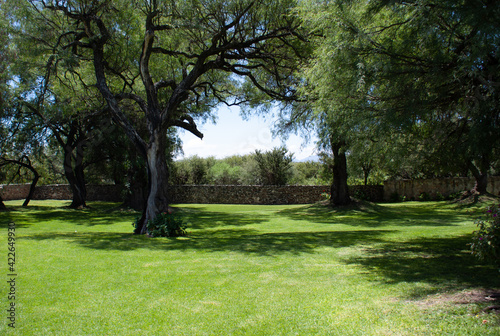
(385, 269)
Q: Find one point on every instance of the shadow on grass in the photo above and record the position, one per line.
(200, 218)
(443, 262)
(229, 240)
(100, 213)
(368, 214)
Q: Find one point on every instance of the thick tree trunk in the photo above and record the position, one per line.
(137, 181)
(340, 191)
(157, 200)
(481, 175)
(76, 177)
(481, 185)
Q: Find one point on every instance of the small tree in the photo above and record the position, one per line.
(274, 167)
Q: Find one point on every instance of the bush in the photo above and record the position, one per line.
(395, 198)
(361, 195)
(325, 195)
(166, 225)
(486, 241)
(424, 197)
(440, 197)
(274, 167)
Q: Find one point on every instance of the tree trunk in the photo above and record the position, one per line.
(36, 177)
(29, 166)
(481, 185)
(137, 181)
(481, 175)
(75, 176)
(2, 205)
(157, 200)
(340, 191)
(367, 168)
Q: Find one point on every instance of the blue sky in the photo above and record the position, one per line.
(231, 135)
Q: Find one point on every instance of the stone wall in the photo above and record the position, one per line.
(111, 193)
(412, 189)
(236, 194)
(204, 194)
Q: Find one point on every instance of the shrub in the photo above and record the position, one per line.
(325, 195)
(361, 195)
(486, 241)
(274, 167)
(440, 197)
(424, 197)
(395, 198)
(166, 225)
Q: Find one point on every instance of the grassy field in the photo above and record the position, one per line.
(385, 269)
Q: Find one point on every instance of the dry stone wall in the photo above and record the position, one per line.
(204, 194)
(111, 193)
(236, 194)
(412, 189)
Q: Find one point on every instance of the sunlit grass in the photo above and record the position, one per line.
(247, 270)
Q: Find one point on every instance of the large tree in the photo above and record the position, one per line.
(189, 56)
(422, 67)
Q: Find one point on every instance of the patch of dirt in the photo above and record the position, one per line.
(479, 295)
(471, 198)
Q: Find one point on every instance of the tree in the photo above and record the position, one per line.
(274, 166)
(330, 81)
(23, 162)
(193, 56)
(448, 80)
(413, 67)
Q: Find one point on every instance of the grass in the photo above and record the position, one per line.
(385, 269)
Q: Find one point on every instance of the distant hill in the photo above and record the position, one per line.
(314, 158)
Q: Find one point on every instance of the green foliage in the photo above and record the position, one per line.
(222, 173)
(396, 198)
(360, 195)
(325, 196)
(307, 173)
(424, 197)
(381, 68)
(193, 170)
(274, 166)
(243, 170)
(486, 240)
(166, 224)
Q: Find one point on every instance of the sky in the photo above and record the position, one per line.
(232, 135)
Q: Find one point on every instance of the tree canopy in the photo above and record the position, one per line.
(417, 68)
(174, 61)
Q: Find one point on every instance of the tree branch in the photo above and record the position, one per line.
(186, 122)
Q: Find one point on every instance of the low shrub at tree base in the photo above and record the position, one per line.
(166, 225)
(486, 240)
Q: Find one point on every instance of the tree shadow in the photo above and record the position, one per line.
(200, 218)
(225, 240)
(367, 214)
(100, 213)
(445, 263)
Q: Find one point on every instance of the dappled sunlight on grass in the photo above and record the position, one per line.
(442, 261)
(230, 240)
(253, 270)
(373, 215)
